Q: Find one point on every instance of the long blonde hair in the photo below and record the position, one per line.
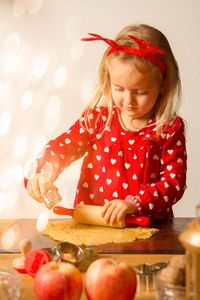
(168, 101)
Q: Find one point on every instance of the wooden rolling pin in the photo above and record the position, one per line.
(91, 214)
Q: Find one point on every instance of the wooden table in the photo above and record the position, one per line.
(160, 247)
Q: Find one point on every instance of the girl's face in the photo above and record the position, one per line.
(133, 92)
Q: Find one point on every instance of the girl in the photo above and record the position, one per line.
(131, 138)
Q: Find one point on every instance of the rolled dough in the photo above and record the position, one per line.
(69, 231)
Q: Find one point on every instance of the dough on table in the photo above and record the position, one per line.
(69, 231)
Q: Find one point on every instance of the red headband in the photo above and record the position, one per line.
(145, 49)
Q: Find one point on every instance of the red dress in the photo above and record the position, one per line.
(118, 163)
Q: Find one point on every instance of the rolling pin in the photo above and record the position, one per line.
(91, 214)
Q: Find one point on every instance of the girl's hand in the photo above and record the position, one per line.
(116, 210)
(39, 186)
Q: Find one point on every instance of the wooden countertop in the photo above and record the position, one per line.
(160, 247)
(165, 241)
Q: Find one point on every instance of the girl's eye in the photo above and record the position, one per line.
(119, 89)
(142, 92)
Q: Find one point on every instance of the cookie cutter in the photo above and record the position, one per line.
(72, 253)
(81, 256)
(146, 275)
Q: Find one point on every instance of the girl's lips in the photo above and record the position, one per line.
(130, 108)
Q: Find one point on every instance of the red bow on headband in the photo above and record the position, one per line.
(145, 49)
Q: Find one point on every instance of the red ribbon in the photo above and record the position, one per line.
(145, 49)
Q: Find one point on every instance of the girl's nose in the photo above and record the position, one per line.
(129, 98)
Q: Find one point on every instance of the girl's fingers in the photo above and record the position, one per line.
(114, 215)
(111, 214)
(45, 185)
(39, 186)
(114, 211)
(108, 213)
(105, 208)
(121, 214)
(34, 189)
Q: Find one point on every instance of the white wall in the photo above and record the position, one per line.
(36, 38)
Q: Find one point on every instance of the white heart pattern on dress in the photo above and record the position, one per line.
(134, 177)
(108, 181)
(113, 139)
(113, 161)
(96, 176)
(170, 151)
(127, 166)
(103, 169)
(166, 184)
(169, 167)
(67, 141)
(125, 185)
(172, 175)
(120, 153)
(115, 194)
(81, 130)
(151, 206)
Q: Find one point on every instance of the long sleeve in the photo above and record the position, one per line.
(62, 151)
(158, 197)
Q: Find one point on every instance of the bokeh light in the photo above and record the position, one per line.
(19, 146)
(39, 66)
(31, 6)
(5, 91)
(26, 99)
(5, 121)
(10, 237)
(42, 221)
(60, 77)
(12, 59)
(19, 8)
(37, 144)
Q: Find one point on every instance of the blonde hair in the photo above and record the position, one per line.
(168, 101)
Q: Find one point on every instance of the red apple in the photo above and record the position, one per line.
(107, 279)
(58, 281)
